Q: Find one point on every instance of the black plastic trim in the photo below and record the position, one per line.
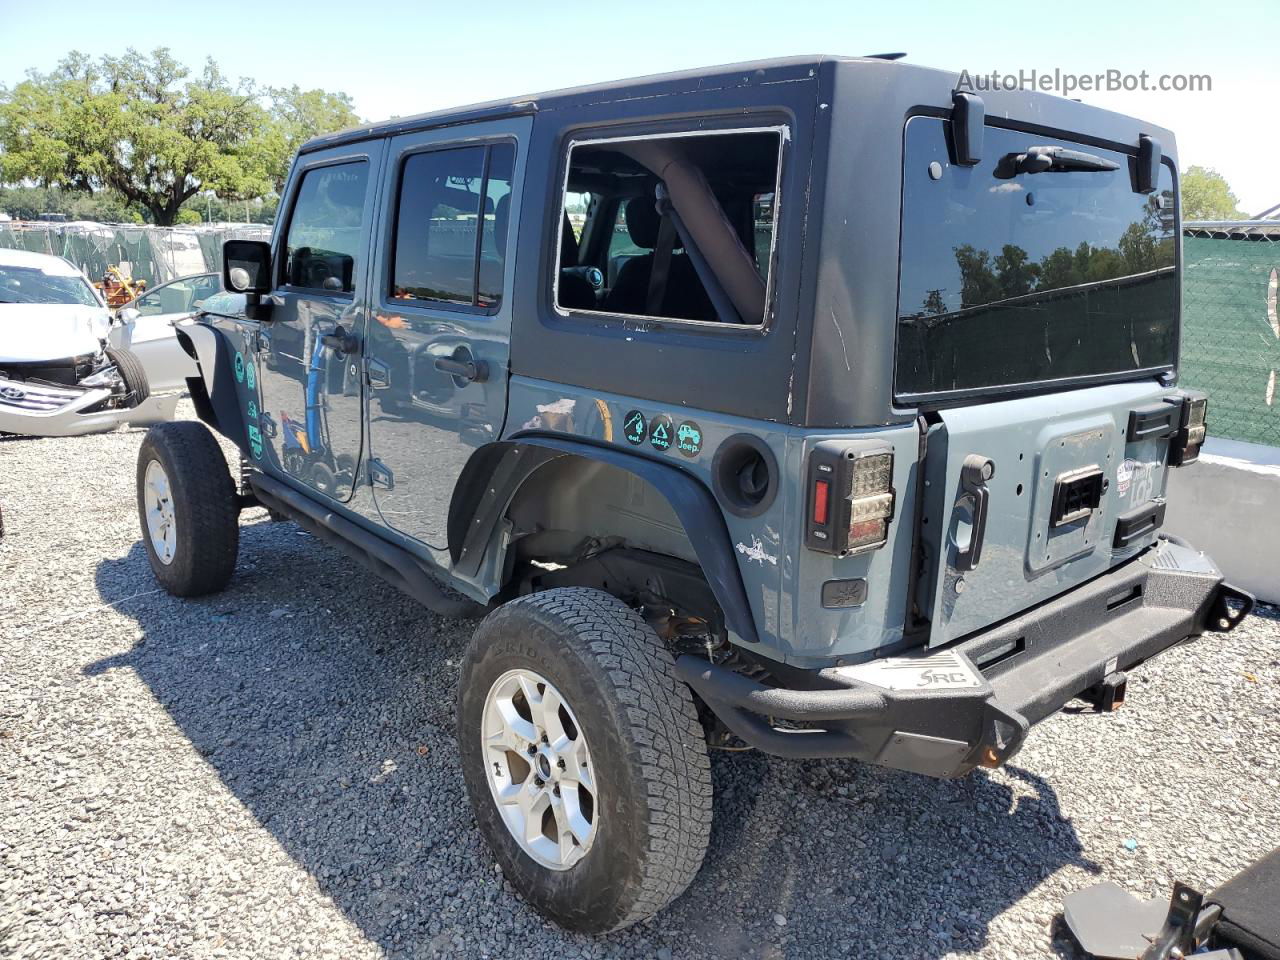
(503, 467)
(214, 391)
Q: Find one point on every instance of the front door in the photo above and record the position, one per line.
(439, 338)
(309, 351)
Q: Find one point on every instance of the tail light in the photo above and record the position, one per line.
(851, 498)
(1185, 445)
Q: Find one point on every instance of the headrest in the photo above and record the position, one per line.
(643, 222)
(501, 217)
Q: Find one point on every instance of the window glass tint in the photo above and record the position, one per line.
(497, 220)
(1016, 278)
(730, 204)
(324, 231)
(448, 213)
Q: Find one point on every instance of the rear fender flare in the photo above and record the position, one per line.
(214, 392)
(496, 472)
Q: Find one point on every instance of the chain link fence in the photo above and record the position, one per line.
(153, 254)
(1230, 329)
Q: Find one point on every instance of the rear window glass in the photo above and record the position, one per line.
(679, 227)
(1012, 278)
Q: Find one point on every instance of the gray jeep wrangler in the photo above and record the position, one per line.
(827, 410)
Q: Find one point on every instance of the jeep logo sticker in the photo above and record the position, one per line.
(689, 438)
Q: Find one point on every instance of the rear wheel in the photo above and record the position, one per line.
(584, 758)
(137, 387)
(188, 509)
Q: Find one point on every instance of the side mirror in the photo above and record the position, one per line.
(246, 266)
(128, 315)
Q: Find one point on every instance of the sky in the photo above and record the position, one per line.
(405, 58)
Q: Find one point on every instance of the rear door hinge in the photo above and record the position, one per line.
(379, 476)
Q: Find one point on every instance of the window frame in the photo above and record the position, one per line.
(282, 269)
(783, 132)
(387, 280)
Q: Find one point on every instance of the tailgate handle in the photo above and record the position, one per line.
(974, 474)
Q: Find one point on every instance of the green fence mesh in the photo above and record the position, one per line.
(1230, 330)
(153, 254)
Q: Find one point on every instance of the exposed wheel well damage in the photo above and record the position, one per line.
(570, 513)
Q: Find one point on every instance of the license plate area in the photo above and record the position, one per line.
(1076, 494)
(1070, 496)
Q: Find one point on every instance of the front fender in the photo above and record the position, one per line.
(213, 390)
(496, 472)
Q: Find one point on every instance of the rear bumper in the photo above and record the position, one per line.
(971, 703)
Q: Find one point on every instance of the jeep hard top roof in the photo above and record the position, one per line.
(752, 72)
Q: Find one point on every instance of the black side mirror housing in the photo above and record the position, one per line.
(246, 267)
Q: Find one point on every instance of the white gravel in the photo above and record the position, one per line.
(271, 773)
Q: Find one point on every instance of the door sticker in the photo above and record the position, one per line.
(248, 375)
(689, 438)
(255, 442)
(635, 428)
(661, 432)
(239, 367)
(252, 410)
(1124, 475)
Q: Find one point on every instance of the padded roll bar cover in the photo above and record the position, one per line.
(706, 222)
(214, 391)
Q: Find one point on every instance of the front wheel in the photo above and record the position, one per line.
(132, 374)
(188, 509)
(584, 758)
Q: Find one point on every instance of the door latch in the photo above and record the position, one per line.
(974, 474)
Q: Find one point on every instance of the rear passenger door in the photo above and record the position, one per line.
(439, 337)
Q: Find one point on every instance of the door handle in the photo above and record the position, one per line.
(974, 474)
(472, 371)
(340, 340)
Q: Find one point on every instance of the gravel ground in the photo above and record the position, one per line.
(271, 773)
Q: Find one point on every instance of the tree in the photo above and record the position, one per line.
(1206, 196)
(299, 115)
(148, 129)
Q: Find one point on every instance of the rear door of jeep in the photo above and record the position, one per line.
(1037, 331)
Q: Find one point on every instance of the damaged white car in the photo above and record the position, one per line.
(65, 366)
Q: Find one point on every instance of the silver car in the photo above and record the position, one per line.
(65, 364)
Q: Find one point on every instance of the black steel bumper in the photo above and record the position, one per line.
(945, 711)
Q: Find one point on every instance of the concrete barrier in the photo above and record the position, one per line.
(1228, 504)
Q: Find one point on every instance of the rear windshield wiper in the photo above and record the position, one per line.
(1051, 160)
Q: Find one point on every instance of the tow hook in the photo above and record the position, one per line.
(1107, 696)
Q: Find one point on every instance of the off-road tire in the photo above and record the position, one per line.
(647, 746)
(137, 387)
(205, 505)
